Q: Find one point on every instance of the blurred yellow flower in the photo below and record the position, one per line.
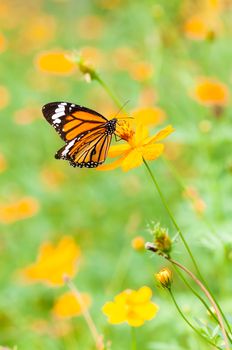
(4, 97)
(3, 163)
(149, 116)
(57, 328)
(39, 30)
(18, 210)
(164, 277)
(211, 92)
(138, 243)
(139, 146)
(51, 177)
(26, 115)
(131, 306)
(2, 43)
(55, 62)
(198, 203)
(141, 71)
(67, 305)
(196, 28)
(90, 27)
(54, 262)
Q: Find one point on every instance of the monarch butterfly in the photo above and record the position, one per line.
(87, 134)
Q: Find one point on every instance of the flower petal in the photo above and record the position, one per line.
(152, 151)
(117, 150)
(141, 133)
(135, 321)
(116, 313)
(146, 311)
(132, 160)
(149, 116)
(143, 295)
(160, 135)
(110, 166)
(67, 305)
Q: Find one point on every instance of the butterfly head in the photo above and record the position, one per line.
(111, 126)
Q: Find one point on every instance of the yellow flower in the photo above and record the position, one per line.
(164, 277)
(211, 92)
(196, 28)
(90, 27)
(131, 306)
(68, 306)
(18, 210)
(2, 43)
(3, 163)
(141, 71)
(55, 62)
(54, 262)
(139, 145)
(138, 243)
(4, 97)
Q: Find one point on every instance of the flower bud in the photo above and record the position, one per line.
(85, 68)
(162, 241)
(164, 277)
(138, 243)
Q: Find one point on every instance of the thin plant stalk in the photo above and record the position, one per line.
(200, 298)
(208, 295)
(108, 90)
(184, 241)
(117, 102)
(133, 339)
(179, 180)
(93, 330)
(172, 217)
(190, 324)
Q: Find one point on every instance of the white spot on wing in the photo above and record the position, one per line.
(58, 115)
(57, 121)
(67, 148)
(59, 109)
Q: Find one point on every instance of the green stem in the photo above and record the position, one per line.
(211, 228)
(108, 90)
(185, 242)
(91, 325)
(133, 339)
(208, 295)
(187, 321)
(172, 217)
(200, 298)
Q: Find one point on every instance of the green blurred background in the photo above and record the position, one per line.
(104, 211)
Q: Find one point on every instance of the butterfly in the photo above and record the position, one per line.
(87, 134)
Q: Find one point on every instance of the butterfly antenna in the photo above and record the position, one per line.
(124, 104)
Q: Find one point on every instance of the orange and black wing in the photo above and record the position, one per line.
(72, 121)
(89, 152)
(87, 133)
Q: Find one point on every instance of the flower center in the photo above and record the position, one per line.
(124, 131)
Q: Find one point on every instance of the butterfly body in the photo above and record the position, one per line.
(87, 134)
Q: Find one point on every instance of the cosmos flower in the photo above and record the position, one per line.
(67, 305)
(139, 146)
(211, 92)
(54, 262)
(55, 62)
(20, 209)
(131, 306)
